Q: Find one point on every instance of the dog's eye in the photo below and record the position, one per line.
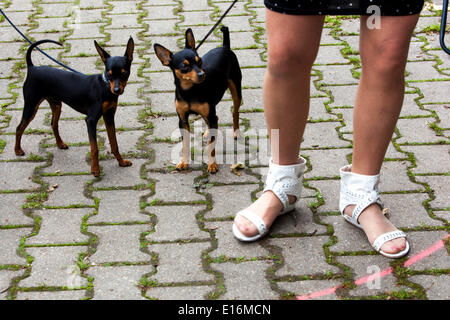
(184, 68)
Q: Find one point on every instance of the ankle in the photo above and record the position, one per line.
(270, 201)
(292, 199)
(369, 213)
(285, 161)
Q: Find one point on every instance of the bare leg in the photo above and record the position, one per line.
(293, 43)
(378, 103)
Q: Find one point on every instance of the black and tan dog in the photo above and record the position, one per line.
(200, 83)
(93, 95)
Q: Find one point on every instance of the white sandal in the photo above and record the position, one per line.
(282, 180)
(362, 191)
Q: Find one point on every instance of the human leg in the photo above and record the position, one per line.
(293, 43)
(377, 107)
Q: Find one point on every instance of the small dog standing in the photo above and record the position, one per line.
(200, 84)
(94, 95)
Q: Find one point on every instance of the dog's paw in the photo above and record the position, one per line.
(237, 134)
(125, 163)
(62, 145)
(213, 167)
(19, 152)
(96, 173)
(95, 170)
(182, 166)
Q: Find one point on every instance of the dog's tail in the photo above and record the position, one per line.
(226, 36)
(34, 45)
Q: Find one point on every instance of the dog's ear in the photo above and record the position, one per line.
(163, 54)
(130, 49)
(190, 40)
(103, 54)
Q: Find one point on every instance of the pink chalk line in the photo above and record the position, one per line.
(423, 254)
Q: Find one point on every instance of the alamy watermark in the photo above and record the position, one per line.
(74, 279)
(74, 13)
(253, 147)
(374, 280)
(374, 20)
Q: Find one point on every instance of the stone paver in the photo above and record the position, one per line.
(149, 232)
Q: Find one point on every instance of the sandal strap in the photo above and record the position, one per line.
(378, 243)
(256, 220)
(359, 190)
(367, 200)
(284, 180)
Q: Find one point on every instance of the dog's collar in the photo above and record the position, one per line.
(104, 79)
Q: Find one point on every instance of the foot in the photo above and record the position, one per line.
(182, 166)
(213, 167)
(62, 145)
(95, 173)
(267, 207)
(19, 152)
(283, 187)
(237, 134)
(125, 163)
(374, 224)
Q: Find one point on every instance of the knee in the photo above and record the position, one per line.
(388, 62)
(390, 66)
(286, 61)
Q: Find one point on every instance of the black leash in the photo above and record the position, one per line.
(40, 50)
(73, 70)
(444, 26)
(217, 23)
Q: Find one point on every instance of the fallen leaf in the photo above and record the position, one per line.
(236, 167)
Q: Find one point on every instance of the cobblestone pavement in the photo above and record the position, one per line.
(149, 232)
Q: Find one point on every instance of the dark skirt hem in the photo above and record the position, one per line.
(387, 8)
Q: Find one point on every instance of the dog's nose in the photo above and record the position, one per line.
(116, 89)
